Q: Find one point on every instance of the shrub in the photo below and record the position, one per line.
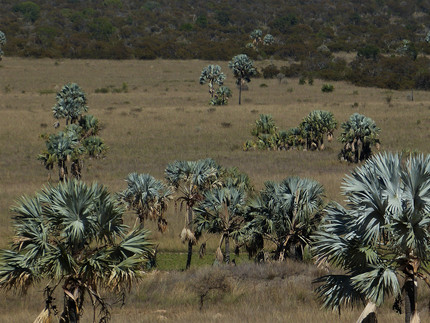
(327, 88)
(270, 71)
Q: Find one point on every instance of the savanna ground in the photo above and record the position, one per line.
(164, 116)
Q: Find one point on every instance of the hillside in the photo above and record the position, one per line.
(122, 29)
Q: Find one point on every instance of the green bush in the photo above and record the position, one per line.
(327, 88)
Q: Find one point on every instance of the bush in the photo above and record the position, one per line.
(327, 88)
(270, 71)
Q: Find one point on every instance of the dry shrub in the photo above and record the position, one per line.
(210, 282)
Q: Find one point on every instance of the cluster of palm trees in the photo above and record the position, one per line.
(359, 134)
(243, 69)
(308, 135)
(68, 148)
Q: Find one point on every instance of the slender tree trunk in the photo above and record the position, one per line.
(190, 243)
(227, 248)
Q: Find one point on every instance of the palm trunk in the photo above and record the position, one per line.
(410, 288)
(70, 311)
(369, 314)
(190, 243)
(227, 248)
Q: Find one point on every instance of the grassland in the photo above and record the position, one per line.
(164, 116)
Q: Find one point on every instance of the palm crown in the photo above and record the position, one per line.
(381, 234)
(73, 233)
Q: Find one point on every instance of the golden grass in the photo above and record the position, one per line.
(163, 117)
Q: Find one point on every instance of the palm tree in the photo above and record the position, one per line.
(148, 197)
(60, 148)
(221, 212)
(359, 133)
(79, 140)
(316, 125)
(212, 75)
(265, 132)
(2, 43)
(243, 69)
(286, 214)
(73, 234)
(191, 179)
(222, 94)
(71, 103)
(381, 237)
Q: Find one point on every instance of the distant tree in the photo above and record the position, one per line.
(29, 9)
(2, 43)
(380, 238)
(212, 75)
(80, 138)
(222, 211)
(286, 214)
(243, 69)
(256, 36)
(268, 39)
(71, 103)
(358, 135)
(72, 235)
(148, 197)
(191, 179)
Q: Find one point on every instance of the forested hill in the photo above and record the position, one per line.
(216, 29)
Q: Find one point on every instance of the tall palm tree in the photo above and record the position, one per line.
(243, 69)
(286, 214)
(358, 135)
(191, 179)
(381, 237)
(73, 234)
(221, 212)
(148, 197)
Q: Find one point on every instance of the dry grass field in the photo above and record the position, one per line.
(165, 116)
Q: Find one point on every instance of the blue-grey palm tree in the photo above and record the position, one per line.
(212, 75)
(191, 179)
(71, 103)
(381, 238)
(243, 69)
(148, 196)
(222, 211)
(73, 234)
(315, 126)
(79, 139)
(2, 43)
(286, 214)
